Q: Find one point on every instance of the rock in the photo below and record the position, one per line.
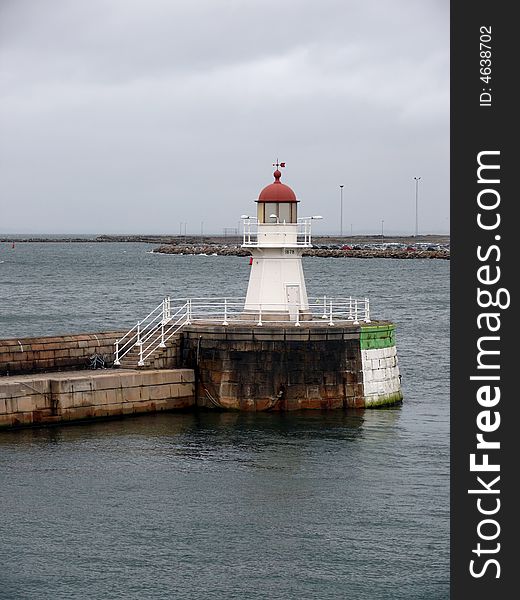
(224, 250)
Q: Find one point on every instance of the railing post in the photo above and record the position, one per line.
(331, 322)
(297, 323)
(356, 322)
(367, 310)
(259, 324)
(163, 320)
(324, 315)
(188, 312)
(116, 361)
(141, 361)
(138, 342)
(167, 309)
(349, 318)
(162, 344)
(225, 322)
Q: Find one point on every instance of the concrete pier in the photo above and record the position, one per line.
(283, 367)
(42, 399)
(239, 366)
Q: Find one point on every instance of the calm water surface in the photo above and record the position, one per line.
(310, 505)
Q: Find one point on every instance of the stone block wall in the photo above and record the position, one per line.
(283, 367)
(275, 367)
(56, 353)
(239, 367)
(381, 378)
(56, 398)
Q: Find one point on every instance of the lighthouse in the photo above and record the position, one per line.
(276, 350)
(277, 238)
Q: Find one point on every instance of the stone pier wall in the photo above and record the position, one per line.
(313, 366)
(283, 367)
(381, 378)
(75, 396)
(56, 353)
(238, 367)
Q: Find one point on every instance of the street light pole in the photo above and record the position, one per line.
(382, 229)
(341, 210)
(416, 205)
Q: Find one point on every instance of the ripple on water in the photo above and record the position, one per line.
(311, 505)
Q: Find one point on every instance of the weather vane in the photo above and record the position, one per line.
(278, 164)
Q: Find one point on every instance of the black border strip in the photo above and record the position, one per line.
(475, 129)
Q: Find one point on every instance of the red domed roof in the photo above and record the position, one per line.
(277, 191)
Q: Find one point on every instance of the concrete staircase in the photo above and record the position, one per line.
(140, 347)
(161, 358)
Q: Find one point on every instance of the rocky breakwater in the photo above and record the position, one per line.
(366, 252)
(378, 253)
(203, 249)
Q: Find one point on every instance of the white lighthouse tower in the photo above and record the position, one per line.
(277, 238)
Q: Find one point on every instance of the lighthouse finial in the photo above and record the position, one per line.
(278, 164)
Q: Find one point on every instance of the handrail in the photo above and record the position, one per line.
(142, 331)
(162, 323)
(172, 329)
(300, 232)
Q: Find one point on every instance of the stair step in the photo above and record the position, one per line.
(131, 358)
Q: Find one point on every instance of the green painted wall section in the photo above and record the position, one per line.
(373, 337)
(385, 400)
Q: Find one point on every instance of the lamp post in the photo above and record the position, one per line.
(341, 210)
(416, 205)
(382, 229)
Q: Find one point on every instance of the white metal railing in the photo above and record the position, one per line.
(277, 234)
(164, 321)
(152, 332)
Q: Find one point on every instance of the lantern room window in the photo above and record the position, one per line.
(284, 211)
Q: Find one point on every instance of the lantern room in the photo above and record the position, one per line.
(277, 202)
(276, 240)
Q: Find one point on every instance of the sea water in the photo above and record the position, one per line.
(310, 505)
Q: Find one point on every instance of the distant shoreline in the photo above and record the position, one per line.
(217, 239)
(375, 246)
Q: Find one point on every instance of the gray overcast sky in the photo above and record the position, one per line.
(131, 116)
